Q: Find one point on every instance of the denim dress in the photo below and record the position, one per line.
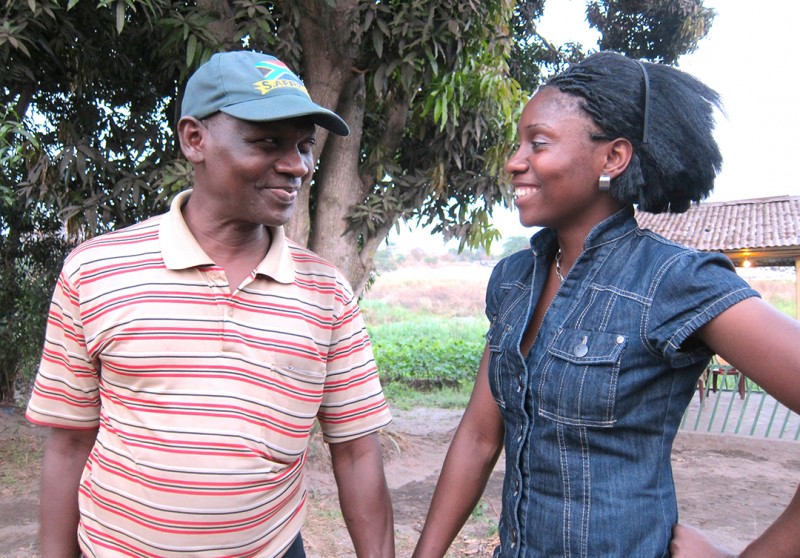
(590, 415)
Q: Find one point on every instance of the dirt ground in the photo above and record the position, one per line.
(733, 487)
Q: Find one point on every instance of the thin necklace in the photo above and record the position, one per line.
(558, 265)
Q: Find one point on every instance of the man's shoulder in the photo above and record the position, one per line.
(308, 261)
(314, 271)
(132, 239)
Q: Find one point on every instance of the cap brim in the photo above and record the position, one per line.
(287, 106)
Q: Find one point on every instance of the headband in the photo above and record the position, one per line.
(646, 100)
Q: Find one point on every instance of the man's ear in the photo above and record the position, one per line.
(618, 157)
(192, 135)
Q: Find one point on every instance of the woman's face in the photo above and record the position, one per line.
(556, 168)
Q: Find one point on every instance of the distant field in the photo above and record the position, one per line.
(456, 290)
(780, 293)
(459, 289)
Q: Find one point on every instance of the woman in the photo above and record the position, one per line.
(599, 333)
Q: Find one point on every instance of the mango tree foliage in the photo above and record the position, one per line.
(657, 30)
(90, 92)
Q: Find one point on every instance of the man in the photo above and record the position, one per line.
(187, 357)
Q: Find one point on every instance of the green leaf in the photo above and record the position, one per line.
(383, 27)
(120, 15)
(379, 78)
(377, 42)
(191, 47)
(24, 49)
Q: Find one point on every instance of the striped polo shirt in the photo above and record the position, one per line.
(204, 395)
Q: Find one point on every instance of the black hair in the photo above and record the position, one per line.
(675, 157)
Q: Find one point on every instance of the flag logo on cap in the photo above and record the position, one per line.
(276, 75)
(274, 70)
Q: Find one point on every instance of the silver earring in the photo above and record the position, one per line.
(604, 183)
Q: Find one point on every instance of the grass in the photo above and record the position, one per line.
(377, 312)
(21, 455)
(405, 397)
(486, 514)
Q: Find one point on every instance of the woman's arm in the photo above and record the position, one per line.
(467, 467)
(764, 345)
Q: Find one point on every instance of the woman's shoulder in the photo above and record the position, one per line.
(515, 264)
(658, 246)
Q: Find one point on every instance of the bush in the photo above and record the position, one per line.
(429, 353)
(31, 252)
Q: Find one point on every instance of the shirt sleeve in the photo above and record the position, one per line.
(695, 288)
(493, 289)
(66, 390)
(353, 403)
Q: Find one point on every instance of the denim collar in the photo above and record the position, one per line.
(608, 230)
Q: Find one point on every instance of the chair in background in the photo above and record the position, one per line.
(718, 367)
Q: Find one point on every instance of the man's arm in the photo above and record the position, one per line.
(65, 455)
(364, 495)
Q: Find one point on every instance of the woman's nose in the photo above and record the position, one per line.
(516, 163)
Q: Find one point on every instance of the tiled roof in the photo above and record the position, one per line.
(755, 224)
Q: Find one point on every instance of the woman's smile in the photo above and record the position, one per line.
(523, 191)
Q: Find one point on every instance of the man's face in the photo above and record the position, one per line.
(251, 172)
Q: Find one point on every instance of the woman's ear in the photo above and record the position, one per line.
(618, 157)
(192, 136)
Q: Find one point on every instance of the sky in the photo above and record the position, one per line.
(750, 58)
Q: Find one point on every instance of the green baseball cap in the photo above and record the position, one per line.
(256, 87)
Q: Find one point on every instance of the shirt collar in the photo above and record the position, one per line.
(617, 225)
(607, 230)
(180, 250)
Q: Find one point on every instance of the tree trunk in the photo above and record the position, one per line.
(330, 44)
(339, 189)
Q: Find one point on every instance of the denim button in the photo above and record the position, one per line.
(581, 348)
(620, 339)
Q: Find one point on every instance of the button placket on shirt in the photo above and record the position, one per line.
(218, 283)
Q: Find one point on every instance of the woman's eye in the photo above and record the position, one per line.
(537, 144)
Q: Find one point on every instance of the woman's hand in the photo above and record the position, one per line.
(688, 542)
